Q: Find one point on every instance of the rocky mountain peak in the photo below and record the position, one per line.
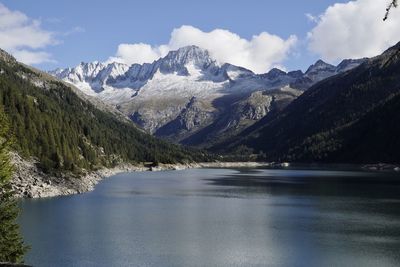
(275, 73)
(187, 55)
(319, 66)
(90, 69)
(115, 69)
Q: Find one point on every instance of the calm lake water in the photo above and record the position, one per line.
(221, 217)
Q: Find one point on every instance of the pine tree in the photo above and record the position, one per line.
(12, 248)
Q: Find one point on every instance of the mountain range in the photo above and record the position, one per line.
(344, 113)
(190, 98)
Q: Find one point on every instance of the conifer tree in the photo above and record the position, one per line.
(12, 248)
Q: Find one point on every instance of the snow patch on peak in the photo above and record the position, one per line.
(90, 69)
(176, 61)
(116, 69)
(189, 54)
(112, 71)
(234, 72)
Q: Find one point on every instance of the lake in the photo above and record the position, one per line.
(221, 217)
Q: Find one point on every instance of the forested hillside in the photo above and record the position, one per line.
(351, 117)
(64, 132)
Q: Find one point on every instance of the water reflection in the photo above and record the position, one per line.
(313, 183)
(221, 217)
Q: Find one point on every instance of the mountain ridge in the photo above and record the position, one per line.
(176, 61)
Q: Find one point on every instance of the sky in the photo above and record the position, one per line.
(256, 34)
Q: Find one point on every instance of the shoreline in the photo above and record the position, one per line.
(29, 182)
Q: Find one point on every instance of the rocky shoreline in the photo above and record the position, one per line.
(30, 182)
(381, 167)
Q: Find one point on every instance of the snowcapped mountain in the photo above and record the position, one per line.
(188, 84)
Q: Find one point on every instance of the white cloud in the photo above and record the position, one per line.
(77, 29)
(136, 53)
(29, 57)
(24, 37)
(355, 29)
(259, 54)
(311, 17)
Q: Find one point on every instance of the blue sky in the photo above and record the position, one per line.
(93, 30)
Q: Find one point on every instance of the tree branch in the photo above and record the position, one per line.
(393, 4)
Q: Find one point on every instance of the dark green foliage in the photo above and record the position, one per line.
(12, 248)
(351, 117)
(371, 139)
(67, 133)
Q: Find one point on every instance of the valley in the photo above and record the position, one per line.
(200, 133)
(188, 97)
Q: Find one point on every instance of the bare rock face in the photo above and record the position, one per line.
(258, 104)
(154, 114)
(255, 107)
(235, 115)
(192, 117)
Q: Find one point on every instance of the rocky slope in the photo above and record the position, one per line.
(187, 93)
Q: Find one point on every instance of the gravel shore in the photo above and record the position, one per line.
(30, 182)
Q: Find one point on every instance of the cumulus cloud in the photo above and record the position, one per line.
(260, 53)
(354, 30)
(136, 53)
(24, 37)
